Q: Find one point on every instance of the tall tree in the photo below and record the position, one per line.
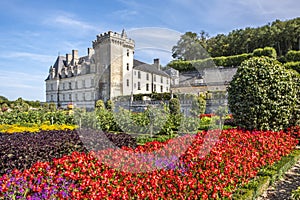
(189, 47)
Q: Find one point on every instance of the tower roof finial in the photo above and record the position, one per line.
(123, 33)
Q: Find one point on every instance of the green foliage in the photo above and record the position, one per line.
(296, 194)
(198, 106)
(100, 104)
(191, 46)
(229, 61)
(262, 95)
(174, 106)
(267, 51)
(293, 65)
(110, 105)
(293, 56)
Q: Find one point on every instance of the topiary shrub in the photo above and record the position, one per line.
(262, 95)
(174, 106)
(293, 56)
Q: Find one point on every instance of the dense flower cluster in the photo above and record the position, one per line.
(33, 128)
(181, 168)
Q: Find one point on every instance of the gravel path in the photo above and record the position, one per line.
(282, 188)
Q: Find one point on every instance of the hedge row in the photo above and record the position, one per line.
(293, 65)
(266, 177)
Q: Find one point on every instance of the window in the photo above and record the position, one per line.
(83, 83)
(154, 78)
(51, 87)
(139, 74)
(147, 87)
(63, 86)
(83, 96)
(139, 85)
(154, 88)
(135, 73)
(51, 97)
(127, 82)
(127, 66)
(167, 89)
(161, 88)
(70, 97)
(127, 52)
(147, 77)
(76, 85)
(76, 97)
(63, 97)
(134, 85)
(70, 85)
(161, 79)
(92, 82)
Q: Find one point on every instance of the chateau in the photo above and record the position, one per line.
(107, 71)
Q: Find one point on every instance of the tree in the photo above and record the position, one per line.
(198, 106)
(174, 106)
(262, 95)
(189, 47)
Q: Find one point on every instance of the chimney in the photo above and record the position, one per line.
(156, 63)
(75, 57)
(68, 58)
(90, 51)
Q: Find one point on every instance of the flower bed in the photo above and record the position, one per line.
(33, 128)
(168, 170)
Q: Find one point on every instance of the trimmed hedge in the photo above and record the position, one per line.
(267, 51)
(293, 56)
(293, 65)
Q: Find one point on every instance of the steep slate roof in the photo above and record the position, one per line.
(139, 65)
(58, 65)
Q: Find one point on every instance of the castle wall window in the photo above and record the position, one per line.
(64, 97)
(51, 98)
(167, 89)
(147, 87)
(127, 66)
(70, 97)
(139, 74)
(70, 85)
(161, 88)
(127, 82)
(128, 52)
(139, 85)
(147, 77)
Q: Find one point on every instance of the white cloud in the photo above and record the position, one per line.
(69, 21)
(154, 37)
(26, 55)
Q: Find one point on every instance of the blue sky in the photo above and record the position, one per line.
(33, 33)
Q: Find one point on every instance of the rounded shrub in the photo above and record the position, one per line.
(174, 106)
(262, 95)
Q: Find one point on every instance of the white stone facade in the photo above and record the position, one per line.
(108, 71)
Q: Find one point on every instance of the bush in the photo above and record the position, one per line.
(174, 106)
(293, 56)
(267, 51)
(293, 65)
(198, 106)
(262, 95)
